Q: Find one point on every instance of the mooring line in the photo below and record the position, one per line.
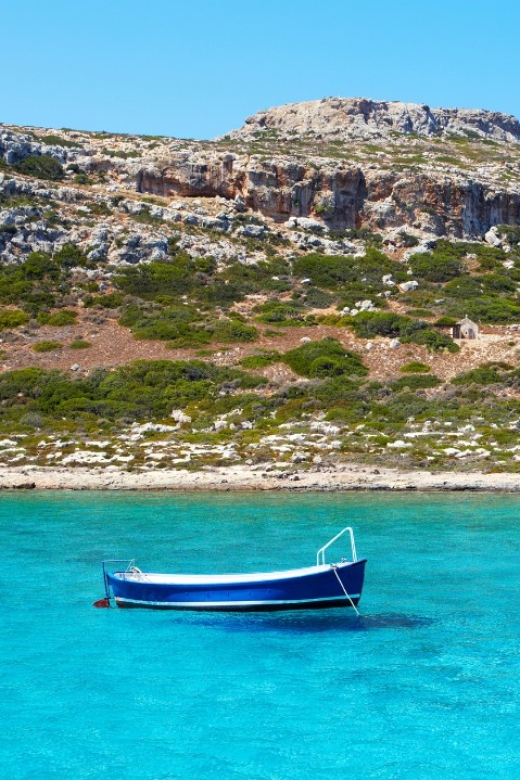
(344, 590)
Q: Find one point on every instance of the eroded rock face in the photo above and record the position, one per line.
(323, 183)
(343, 118)
(341, 195)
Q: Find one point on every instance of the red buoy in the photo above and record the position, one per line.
(102, 603)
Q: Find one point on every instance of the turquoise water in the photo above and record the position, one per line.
(425, 684)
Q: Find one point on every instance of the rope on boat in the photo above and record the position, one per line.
(334, 569)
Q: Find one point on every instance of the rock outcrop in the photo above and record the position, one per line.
(16, 146)
(344, 118)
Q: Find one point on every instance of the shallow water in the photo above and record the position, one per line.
(425, 684)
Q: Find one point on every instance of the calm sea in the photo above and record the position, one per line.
(425, 684)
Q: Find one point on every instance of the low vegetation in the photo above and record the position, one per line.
(196, 412)
(41, 167)
(47, 346)
(245, 391)
(324, 359)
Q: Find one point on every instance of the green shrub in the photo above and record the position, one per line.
(191, 339)
(368, 324)
(408, 239)
(217, 293)
(163, 330)
(204, 265)
(141, 390)
(47, 346)
(34, 302)
(431, 339)
(56, 140)
(261, 359)
(318, 299)
(39, 265)
(79, 344)
(182, 327)
(111, 300)
(511, 233)
(418, 313)
(167, 324)
(489, 374)
(415, 382)
(405, 405)
(440, 269)
(489, 257)
(29, 284)
(443, 264)
(324, 358)
(233, 331)
(70, 256)
(499, 282)
(257, 278)
(328, 366)
(425, 297)
(487, 309)
(62, 318)
(280, 312)
(446, 321)
(82, 179)
(174, 276)
(353, 292)
(43, 167)
(200, 278)
(415, 367)
(12, 318)
(466, 287)
(333, 272)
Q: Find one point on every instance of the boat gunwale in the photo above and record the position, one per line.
(156, 578)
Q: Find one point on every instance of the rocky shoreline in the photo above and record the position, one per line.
(238, 478)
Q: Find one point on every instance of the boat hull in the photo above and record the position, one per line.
(318, 587)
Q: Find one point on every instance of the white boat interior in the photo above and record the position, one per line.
(137, 575)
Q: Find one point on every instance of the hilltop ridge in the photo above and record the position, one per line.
(344, 118)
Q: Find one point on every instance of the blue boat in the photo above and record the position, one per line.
(320, 586)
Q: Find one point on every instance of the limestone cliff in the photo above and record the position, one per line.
(343, 195)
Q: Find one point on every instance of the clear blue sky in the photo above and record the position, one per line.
(197, 69)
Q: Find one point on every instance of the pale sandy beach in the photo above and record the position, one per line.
(342, 478)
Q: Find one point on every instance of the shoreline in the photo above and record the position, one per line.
(240, 478)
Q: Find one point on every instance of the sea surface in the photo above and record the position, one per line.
(424, 684)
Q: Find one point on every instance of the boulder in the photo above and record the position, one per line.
(251, 231)
(492, 238)
(408, 286)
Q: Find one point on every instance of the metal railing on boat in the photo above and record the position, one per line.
(320, 555)
(129, 561)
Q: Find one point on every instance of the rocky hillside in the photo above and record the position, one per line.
(290, 290)
(345, 163)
